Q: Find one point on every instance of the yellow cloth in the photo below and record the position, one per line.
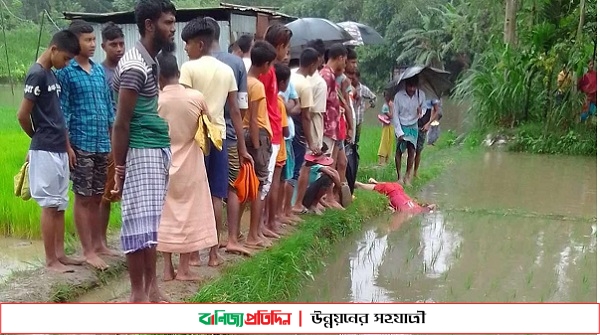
(387, 141)
(208, 132)
(215, 80)
(22, 183)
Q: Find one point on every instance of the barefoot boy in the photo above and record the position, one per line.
(41, 118)
(141, 146)
(258, 132)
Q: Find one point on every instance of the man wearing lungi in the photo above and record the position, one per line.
(141, 146)
(407, 108)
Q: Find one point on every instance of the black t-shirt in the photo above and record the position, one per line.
(50, 129)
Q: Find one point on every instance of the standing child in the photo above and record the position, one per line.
(258, 133)
(387, 130)
(41, 118)
(279, 37)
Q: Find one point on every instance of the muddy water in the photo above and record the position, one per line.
(19, 255)
(509, 228)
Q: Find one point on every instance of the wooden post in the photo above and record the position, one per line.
(581, 18)
(510, 22)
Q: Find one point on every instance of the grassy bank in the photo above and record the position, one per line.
(20, 218)
(580, 140)
(280, 273)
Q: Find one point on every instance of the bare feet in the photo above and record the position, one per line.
(59, 267)
(298, 210)
(96, 262)
(104, 251)
(256, 245)
(215, 260)
(269, 233)
(317, 211)
(189, 276)
(138, 298)
(71, 261)
(235, 248)
(195, 259)
(169, 273)
(157, 296)
(335, 205)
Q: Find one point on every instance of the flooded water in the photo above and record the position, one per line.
(510, 228)
(19, 255)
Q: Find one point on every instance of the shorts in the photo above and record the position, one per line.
(281, 155)
(217, 171)
(144, 192)
(49, 178)
(89, 175)
(316, 128)
(272, 162)
(110, 182)
(331, 143)
(261, 156)
(421, 140)
(288, 170)
(299, 148)
(233, 160)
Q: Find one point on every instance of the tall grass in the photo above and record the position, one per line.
(22, 45)
(20, 218)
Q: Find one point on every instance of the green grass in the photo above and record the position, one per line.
(580, 140)
(22, 43)
(279, 273)
(20, 218)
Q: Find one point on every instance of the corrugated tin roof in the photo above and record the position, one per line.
(219, 13)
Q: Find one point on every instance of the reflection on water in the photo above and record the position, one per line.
(438, 245)
(484, 255)
(364, 267)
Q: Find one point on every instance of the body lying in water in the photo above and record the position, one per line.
(399, 200)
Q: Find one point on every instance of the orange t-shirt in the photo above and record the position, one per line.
(282, 154)
(256, 93)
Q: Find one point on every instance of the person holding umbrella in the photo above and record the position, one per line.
(408, 102)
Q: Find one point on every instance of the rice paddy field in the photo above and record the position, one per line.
(19, 218)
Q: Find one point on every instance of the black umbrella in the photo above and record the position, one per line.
(307, 29)
(363, 34)
(434, 82)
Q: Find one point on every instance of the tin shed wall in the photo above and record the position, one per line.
(132, 36)
(242, 25)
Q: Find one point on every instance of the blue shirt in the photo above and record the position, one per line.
(290, 93)
(87, 106)
(241, 78)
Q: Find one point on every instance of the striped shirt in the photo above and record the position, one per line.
(138, 71)
(87, 106)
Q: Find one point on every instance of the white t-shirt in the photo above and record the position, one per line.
(215, 80)
(247, 62)
(319, 87)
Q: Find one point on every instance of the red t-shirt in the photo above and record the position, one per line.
(399, 200)
(331, 118)
(270, 81)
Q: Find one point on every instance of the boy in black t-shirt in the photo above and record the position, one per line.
(41, 117)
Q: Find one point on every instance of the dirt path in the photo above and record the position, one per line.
(118, 288)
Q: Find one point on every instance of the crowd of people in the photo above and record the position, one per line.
(127, 130)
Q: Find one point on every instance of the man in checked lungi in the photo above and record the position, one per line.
(141, 146)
